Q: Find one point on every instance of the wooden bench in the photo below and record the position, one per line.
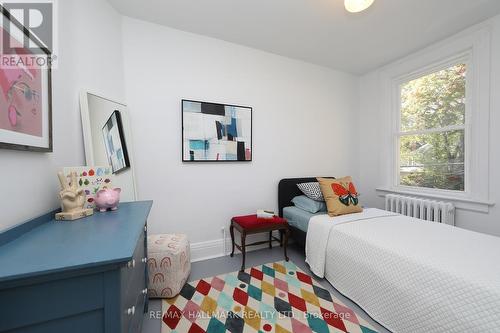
(251, 224)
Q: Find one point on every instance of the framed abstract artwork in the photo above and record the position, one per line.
(25, 89)
(114, 142)
(213, 132)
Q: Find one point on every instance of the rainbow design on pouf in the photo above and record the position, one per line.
(276, 297)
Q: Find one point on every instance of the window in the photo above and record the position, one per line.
(435, 120)
(432, 129)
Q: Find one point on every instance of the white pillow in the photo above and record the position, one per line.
(311, 190)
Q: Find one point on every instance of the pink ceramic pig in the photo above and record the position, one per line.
(107, 198)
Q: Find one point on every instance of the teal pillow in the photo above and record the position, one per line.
(308, 204)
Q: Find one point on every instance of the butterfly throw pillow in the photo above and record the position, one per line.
(340, 195)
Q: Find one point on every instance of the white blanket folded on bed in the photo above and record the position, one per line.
(318, 233)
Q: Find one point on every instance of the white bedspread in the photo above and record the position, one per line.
(318, 233)
(408, 274)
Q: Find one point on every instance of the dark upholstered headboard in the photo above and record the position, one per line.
(287, 190)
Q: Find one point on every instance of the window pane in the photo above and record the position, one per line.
(436, 100)
(433, 160)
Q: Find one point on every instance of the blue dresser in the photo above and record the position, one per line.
(87, 276)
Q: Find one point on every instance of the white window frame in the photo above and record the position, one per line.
(474, 46)
(397, 134)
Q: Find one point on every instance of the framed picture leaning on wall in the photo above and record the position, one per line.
(114, 141)
(25, 88)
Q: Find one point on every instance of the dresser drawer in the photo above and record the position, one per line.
(135, 266)
(133, 286)
(133, 311)
(136, 320)
(59, 294)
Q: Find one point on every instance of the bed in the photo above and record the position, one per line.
(409, 275)
(287, 190)
(298, 218)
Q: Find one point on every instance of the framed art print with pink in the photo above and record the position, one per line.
(25, 89)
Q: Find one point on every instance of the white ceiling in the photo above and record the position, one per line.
(319, 31)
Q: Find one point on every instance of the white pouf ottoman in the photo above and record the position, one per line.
(169, 264)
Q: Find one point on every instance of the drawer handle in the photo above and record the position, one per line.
(131, 264)
(144, 260)
(131, 311)
(144, 291)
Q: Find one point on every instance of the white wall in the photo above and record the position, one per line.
(90, 57)
(304, 124)
(375, 129)
(308, 120)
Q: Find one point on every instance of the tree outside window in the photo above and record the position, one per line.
(432, 130)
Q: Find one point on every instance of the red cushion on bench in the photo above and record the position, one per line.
(254, 222)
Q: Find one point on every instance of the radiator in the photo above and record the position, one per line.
(424, 209)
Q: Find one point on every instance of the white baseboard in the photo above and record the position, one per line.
(215, 248)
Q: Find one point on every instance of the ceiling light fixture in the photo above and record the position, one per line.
(356, 6)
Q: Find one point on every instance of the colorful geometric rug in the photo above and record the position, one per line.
(276, 297)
